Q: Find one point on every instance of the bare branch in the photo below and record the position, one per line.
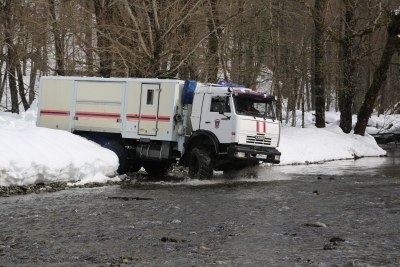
(179, 21)
(139, 32)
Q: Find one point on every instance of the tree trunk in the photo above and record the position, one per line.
(12, 84)
(6, 13)
(104, 13)
(58, 40)
(380, 74)
(276, 61)
(2, 85)
(21, 87)
(312, 72)
(319, 52)
(308, 93)
(346, 96)
(304, 80)
(295, 96)
(213, 55)
(88, 44)
(1, 82)
(32, 78)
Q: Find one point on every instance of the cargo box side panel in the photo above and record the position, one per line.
(98, 106)
(166, 109)
(55, 104)
(132, 109)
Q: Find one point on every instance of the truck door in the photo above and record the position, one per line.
(211, 120)
(148, 113)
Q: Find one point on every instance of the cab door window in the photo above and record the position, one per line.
(214, 107)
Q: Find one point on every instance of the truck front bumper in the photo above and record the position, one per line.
(252, 153)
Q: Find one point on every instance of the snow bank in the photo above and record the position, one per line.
(384, 124)
(310, 145)
(30, 154)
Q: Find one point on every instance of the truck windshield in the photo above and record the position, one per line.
(254, 108)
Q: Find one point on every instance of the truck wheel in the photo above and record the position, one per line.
(119, 149)
(154, 168)
(135, 166)
(201, 164)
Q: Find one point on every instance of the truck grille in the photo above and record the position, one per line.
(258, 140)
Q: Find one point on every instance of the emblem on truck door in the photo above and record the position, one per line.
(217, 121)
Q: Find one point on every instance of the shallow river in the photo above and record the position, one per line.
(286, 216)
(368, 166)
(371, 166)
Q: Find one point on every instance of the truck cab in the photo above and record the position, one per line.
(233, 128)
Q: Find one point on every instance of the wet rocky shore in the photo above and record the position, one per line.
(7, 191)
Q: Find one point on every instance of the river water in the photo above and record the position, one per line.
(388, 166)
(265, 218)
(367, 166)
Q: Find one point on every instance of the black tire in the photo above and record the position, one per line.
(201, 164)
(135, 166)
(119, 149)
(156, 168)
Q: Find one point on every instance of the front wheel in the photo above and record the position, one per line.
(201, 164)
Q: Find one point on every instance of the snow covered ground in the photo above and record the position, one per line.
(29, 154)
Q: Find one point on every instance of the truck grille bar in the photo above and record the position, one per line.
(258, 140)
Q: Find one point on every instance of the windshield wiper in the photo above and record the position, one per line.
(246, 112)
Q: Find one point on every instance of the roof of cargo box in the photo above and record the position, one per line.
(101, 79)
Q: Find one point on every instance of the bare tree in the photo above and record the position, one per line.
(104, 10)
(58, 39)
(319, 55)
(213, 42)
(380, 75)
(6, 11)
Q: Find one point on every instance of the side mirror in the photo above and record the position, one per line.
(221, 106)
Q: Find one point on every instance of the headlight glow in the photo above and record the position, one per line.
(240, 154)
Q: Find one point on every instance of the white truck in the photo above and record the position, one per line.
(153, 123)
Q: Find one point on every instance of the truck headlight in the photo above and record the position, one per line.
(277, 157)
(240, 154)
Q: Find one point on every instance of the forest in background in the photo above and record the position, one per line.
(321, 55)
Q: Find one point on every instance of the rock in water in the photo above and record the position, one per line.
(336, 239)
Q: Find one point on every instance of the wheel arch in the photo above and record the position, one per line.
(198, 138)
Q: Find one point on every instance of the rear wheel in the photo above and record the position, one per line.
(119, 149)
(201, 164)
(156, 168)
